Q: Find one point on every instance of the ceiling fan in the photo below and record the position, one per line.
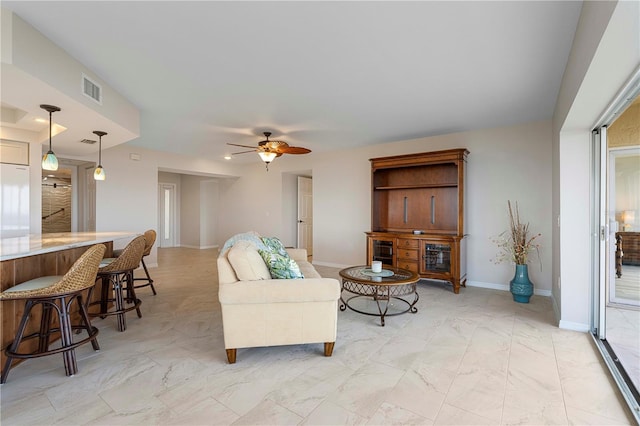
(268, 150)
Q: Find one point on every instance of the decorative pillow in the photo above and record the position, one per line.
(247, 262)
(280, 266)
(275, 245)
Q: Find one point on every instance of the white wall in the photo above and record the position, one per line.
(605, 52)
(199, 211)
(128, 199)
(190, 211)
(34, 54)
(289, 235)
(209, 214)
(506, 163)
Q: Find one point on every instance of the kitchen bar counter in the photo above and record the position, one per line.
(35, 244)
(33, 256)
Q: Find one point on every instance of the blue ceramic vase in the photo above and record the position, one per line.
(521, 287)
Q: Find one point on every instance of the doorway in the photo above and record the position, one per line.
(57, 191)
(305, 214)
(68, 197)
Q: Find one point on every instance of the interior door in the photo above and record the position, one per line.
(305, 214)
(167, 215)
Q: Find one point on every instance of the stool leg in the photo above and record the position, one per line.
(69, 356)
(104, 300)
(119, 301)
(146, 271)
(45, 328)
(84, 316)
(131, 292)
(16, 342)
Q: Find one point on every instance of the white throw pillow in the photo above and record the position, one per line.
(247, 262)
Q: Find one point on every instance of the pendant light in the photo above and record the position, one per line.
(99, 174)
(49, 160)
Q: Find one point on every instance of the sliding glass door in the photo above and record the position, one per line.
(616, 319)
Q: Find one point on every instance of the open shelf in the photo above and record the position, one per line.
(431, 185)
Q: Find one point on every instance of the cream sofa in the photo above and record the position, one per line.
(260, 311)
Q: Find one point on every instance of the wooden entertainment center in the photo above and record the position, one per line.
(417, 214)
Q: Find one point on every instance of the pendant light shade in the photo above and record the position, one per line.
(49, 160)
(99, 173)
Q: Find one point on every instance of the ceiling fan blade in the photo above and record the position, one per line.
(294, 150)
(242, 152)
(242, 146)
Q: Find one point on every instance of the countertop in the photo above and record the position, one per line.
(33, 244)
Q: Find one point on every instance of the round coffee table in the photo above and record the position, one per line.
(392, 284)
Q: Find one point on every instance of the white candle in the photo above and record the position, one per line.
(376, 266)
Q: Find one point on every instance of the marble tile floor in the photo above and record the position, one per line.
(623, 334)
(473, 358)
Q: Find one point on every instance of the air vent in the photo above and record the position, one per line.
(88, 141)
(91, 89)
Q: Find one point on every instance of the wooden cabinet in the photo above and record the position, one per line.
(423, 193)
(629, 246)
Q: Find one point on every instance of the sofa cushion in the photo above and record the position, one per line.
(247, 262)
(307, 269)
(281, 265)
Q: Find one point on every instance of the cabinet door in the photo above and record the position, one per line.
(437, 257)
(426, 209)
(382, 249)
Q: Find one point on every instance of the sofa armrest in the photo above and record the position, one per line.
(297, 254)
(279, 291)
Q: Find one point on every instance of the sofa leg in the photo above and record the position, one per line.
(231, 356)
(328, 348)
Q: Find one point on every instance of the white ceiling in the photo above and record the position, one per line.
(323, 75)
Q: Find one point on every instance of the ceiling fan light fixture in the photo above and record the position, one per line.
(267, 156)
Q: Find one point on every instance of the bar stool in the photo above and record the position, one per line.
(117, 274)
(56, 293)
(150, 239)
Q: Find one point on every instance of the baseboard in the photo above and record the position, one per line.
(198, 247)
(574, 326)
(505, 287)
